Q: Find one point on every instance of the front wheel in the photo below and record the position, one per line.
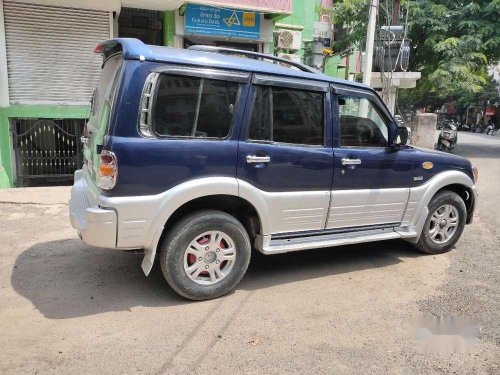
(205, 255)
(444, 224)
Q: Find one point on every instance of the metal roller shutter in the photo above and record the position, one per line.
(50, 55)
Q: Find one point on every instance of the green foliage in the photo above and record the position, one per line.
(452, 44)
(351, 15)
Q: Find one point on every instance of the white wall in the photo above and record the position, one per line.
(111, 5)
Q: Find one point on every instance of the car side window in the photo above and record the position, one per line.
(361, 123)
(194, 107)
(287, 115)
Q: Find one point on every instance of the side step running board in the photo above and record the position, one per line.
(277, 246)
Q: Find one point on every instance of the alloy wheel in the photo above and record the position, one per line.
(209, 257)
(443, 224)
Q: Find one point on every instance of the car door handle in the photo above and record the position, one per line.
(347, 161)
(254, 159)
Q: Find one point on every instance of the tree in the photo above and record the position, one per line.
(452, 44)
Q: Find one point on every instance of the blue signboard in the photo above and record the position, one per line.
(205, 20)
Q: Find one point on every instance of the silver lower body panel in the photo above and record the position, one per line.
(267, 245)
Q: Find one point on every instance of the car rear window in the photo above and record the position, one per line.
(194, 107)
(106, 85)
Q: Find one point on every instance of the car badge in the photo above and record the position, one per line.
(427, 165)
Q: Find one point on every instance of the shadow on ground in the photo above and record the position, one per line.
(67, 279)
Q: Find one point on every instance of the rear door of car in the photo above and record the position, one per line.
(100, 112)
(285, 150)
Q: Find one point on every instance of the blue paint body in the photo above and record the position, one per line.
(151, 166)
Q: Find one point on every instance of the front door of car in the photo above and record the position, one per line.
(371, 179)
(285, 155)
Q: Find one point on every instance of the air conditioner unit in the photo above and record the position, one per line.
(289, 39)
(289, 56)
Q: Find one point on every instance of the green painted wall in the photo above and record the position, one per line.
(304, 14)
(333, 65)
(168, 28)
(28, 111)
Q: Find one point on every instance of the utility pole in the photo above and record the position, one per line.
(370, 36)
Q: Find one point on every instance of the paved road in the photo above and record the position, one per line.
(66, 307)
(484, 152)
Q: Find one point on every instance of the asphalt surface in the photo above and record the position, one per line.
(66, 307)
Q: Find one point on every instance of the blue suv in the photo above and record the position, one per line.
(200, 155)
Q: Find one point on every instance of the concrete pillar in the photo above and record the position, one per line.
(391, 82)
(423, 130)
(390, 99)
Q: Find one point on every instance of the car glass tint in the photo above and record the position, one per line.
(194, 107)
(217, 105)
(260, 123)
(361, 124)
(106, 85)
(297, 116)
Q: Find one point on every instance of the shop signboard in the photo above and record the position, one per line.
(206, 20)
(322, 32)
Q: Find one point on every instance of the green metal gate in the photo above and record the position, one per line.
(46, 151)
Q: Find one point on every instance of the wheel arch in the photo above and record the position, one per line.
(233, 205)
(420, 197)
(220, 194)
(467, 195)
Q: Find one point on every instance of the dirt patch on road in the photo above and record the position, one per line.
(70, 308)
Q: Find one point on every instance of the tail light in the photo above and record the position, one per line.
(107, 172)
(99, 48)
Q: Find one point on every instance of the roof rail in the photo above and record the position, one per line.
(255, 55)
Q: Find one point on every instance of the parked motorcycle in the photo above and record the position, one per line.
(447, 138)
(490, 128)
(463, 127)
(477, 128)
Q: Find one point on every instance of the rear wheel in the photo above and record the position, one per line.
(205, 255)
(444, 224)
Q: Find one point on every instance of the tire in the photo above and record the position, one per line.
(440, 244)
(211, 235)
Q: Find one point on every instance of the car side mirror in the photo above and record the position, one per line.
(403, 136)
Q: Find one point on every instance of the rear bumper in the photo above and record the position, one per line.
(95, 225)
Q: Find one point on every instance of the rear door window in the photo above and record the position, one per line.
(194, 107)
(286, 115)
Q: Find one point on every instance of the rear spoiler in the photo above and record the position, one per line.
(130, 48)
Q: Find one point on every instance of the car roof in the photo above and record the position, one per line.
(134, 49)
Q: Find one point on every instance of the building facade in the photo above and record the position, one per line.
(48, 71)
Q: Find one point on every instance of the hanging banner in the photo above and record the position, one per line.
(205, 20)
